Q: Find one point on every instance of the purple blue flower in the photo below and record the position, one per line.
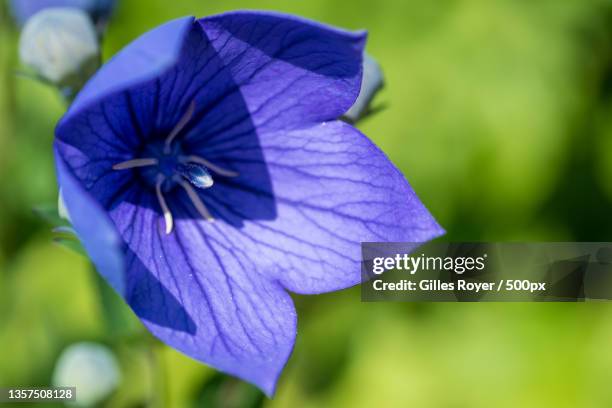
(206, 174)
(99, 10)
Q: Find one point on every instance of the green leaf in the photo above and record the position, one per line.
(50, 214)
(71, 243)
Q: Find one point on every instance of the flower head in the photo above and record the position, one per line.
(98, 10)
(206, 175)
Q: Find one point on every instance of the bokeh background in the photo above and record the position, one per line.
(498, 112)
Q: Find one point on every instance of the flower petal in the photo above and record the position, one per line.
(198, 293)
(94, 228)
(333, 189)
(144, 59)
(291, 71)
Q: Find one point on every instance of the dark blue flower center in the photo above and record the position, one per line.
(173, 165)
(166, 166)
(163, 165)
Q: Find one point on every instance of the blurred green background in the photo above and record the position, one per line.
(500, 115)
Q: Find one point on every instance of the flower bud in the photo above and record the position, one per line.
(91, 368)
(61, 46)
(371, 83)
(62, 210)
(98, 10)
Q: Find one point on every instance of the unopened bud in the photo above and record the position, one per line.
(62, 210)
(90, 367)
(371, 83)
(61, 46)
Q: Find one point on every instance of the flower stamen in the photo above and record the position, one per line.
(179, 127)
(130, 164)
(217, 169)
(196, 174)
(196, 201)
(164, 206)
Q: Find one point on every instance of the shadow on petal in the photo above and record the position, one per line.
(168, 311)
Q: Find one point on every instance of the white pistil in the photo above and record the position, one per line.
(164, 205)
(130, 164)
(211, 166)
(196, 201)
(179, 126)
